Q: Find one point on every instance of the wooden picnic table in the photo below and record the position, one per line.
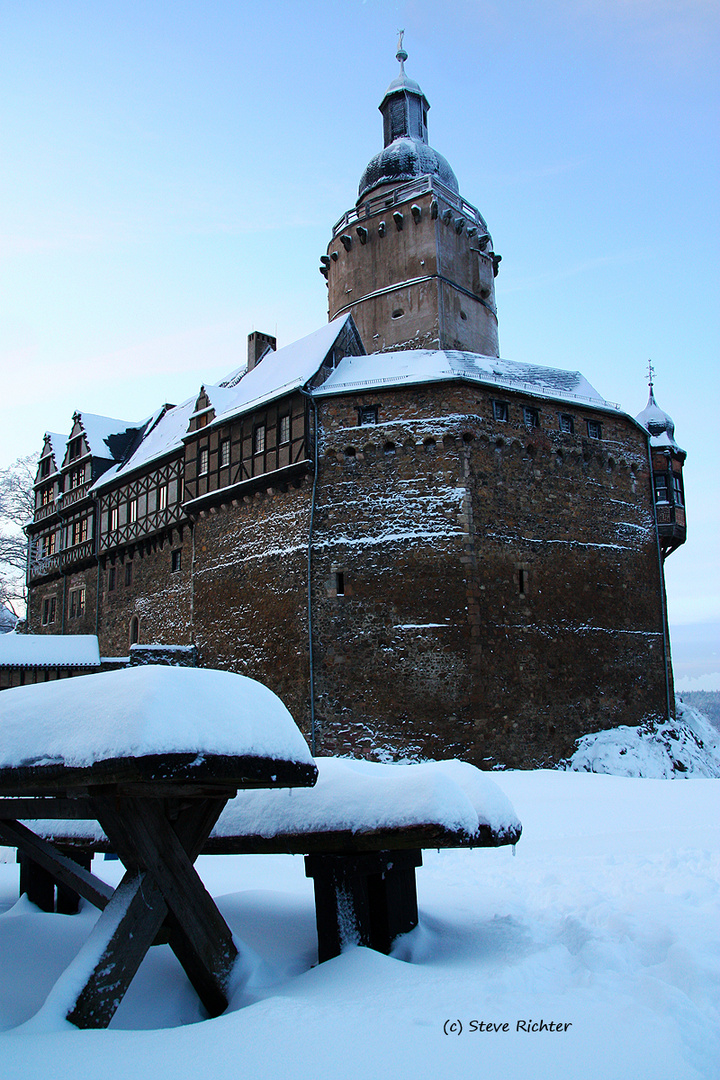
(157, 810)
(363, 876)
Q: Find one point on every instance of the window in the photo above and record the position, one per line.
(50, 542)
(45, 467)
(368, 414)
(203, 461)
(522, 581)
(77, 603)
(531, 417)
(76, 478)
(78, 531)
(176, 560)
(339, 583)
(501, 411)
(567, 423)
(162, 496)
(224, 453)
(48, 611)
(46, 496)
(134, 630)
(75, 449)
(284, 430)
(114, 519)
(677, 489)
(111, 579)
(132, 511)
(128, 573)
(594, 429)
(661, 488)
(259, 439)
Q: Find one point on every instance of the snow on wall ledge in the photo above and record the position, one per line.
(145, 710)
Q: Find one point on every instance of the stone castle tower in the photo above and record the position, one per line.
(413, 261)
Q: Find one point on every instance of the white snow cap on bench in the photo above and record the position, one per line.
(147, 710)
(365, 795)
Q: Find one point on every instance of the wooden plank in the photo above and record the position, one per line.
(121, 938)
(62, 869)
(46, 809)
(183, 770)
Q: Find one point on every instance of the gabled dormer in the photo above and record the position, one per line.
(47, 477)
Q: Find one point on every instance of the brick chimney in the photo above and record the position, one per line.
(258, 345)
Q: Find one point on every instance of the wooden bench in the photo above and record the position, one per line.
(364, 877)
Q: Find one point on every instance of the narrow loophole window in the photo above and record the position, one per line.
(339, 583)
(522, 582)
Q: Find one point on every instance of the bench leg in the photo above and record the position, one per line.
(364, 899)
(38, 883)
(68, 901)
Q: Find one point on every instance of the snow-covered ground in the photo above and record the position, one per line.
(605, 921)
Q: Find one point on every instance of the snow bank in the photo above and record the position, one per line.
(687, 747)
(145, 710)
(364, 796)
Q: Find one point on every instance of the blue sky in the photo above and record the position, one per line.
(170, 175)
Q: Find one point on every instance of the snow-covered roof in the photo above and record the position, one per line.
(410, 367)
(98, 429)
(164, 433)
(49, 650)
(57, 445)
(281, 371)
(364, 796)
(139, 711)
(659, 424)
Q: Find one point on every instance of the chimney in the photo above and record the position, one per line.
(258, 345)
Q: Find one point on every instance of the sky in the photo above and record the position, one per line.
(171, 173)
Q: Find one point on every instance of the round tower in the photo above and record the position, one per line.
(667, 460)
(412, 260)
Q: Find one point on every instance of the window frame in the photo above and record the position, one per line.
(566, 423)
(203, 460)
(501, 411)
(594, 429)
(284, 430)
(259, 439)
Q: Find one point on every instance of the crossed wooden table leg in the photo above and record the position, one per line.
(158, 840)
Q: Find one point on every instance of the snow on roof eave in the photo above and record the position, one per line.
(165, 448)
(98, 429)
(517, 386)
(318, 345)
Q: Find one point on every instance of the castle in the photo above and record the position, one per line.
(422, 548)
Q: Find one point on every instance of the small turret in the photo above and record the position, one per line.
(667, 460)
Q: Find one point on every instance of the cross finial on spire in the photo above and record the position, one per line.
(401, 55)
(651, 372)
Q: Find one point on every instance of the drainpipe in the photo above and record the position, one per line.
(309, 574)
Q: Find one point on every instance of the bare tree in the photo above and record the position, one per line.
(16, 509)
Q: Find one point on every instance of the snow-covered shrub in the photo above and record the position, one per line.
(687, 747)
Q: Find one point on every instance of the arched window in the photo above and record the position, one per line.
(134, 630)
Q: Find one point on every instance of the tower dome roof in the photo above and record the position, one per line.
(405, 159)
(406, 154)
(658, 424)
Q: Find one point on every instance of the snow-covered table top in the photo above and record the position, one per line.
(151, 723)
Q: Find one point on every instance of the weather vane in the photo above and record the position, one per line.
(401, 55)
(651, 372)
